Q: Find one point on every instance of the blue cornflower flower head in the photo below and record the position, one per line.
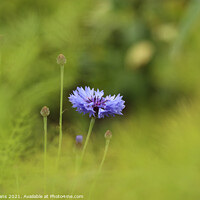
(93, 102)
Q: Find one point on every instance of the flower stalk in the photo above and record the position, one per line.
(108, 136)
(78, 148)
(61, 108)
(45, 112)
(87, 138)
(45, 151)
(79, 158)
(61, 60)
(104, 155)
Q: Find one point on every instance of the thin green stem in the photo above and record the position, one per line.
(100, 168)
(61, 112)
(79, 159)
(104, 155)
(87, 138)
(77, 168)
(77, 163)
(45, 152)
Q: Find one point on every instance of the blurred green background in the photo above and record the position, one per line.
(146, 50)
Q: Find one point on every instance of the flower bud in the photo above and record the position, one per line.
(79, 140)
(61, 60)
(108, 134)
(45, 111)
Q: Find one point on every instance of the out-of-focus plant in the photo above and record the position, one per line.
(159, 136)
